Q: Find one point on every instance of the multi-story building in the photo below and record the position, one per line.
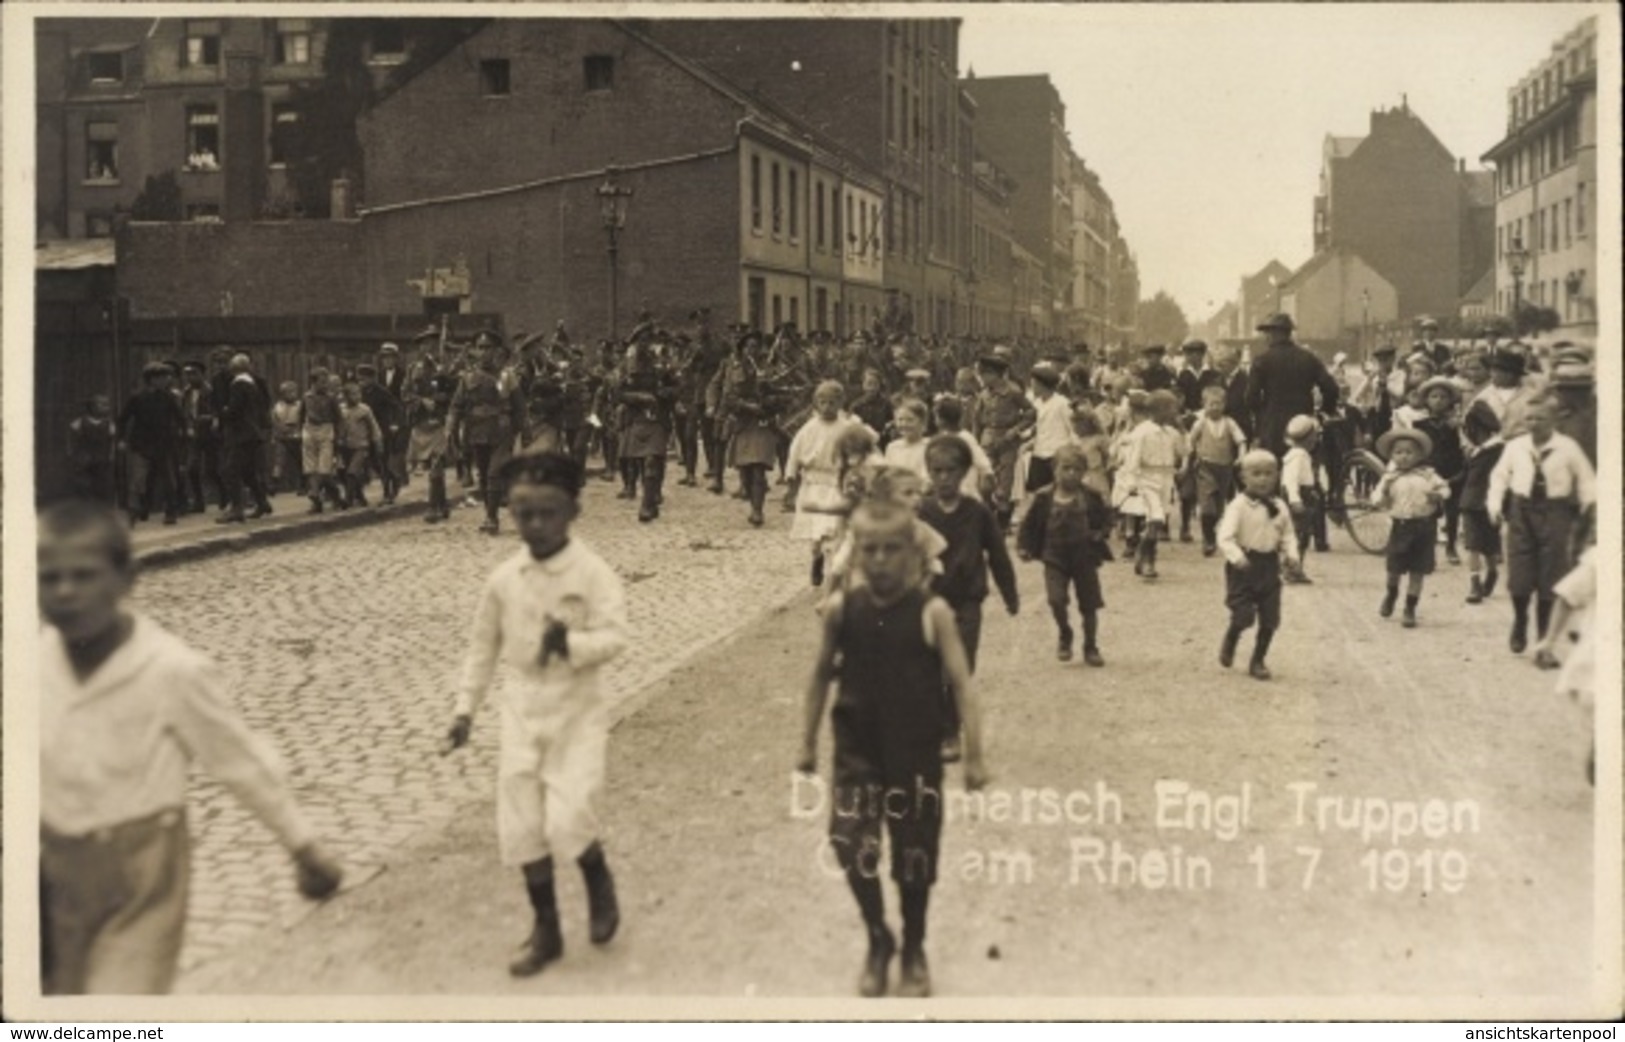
(1094, 231)
(1124, 294)
(993, 274)
(208, 99)
(1546, 186)
(487, 165)
(1021, 126)
(1399, 200)
(886, 92)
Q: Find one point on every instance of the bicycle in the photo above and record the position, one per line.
(1357, 513)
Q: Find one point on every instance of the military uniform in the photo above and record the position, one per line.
(743, 402)
(484, 418)
(428, 403)
(1003, 413)
(648, 394)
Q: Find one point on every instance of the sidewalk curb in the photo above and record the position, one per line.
(239, 540)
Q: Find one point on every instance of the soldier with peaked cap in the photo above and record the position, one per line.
(485, 418)
(648, 396)
(1003, 413)
(745, 400)
(1282, 384)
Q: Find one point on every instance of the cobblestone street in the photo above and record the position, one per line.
(722, 879)
(344, 649)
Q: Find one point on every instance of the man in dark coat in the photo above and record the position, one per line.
(1282, 385)
(245, 424)
(1154, 375)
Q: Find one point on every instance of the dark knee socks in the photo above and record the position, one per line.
(1543, 615)
(1520, 613)
(871, 899)
(1261, 646)
(915, 900)
(1062, 623)
(539, 886)
(1091, 628)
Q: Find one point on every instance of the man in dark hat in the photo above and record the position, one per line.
(245, 425)
(1193, 377)
(1154, 375)
(151, 432)
(1282, 384)
(1509, 393)
(386, 409)
(1003, 413)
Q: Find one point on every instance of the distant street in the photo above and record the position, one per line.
(1446, 819)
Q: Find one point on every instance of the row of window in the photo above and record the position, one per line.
(202, 141)
(1554, 148)
(1553, 293)
(783, 214)
(827, 316)
(1551, 228)
(1546, 90)
(496, 75)
(200, 48)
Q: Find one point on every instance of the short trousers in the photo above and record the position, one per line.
(1254, 594)
(1411, 545)
(1478, 535)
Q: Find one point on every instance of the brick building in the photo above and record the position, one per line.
(208, 99)
(1021, 126)
(1545, 185)
(487, 164)
(886, 91)
(1401, 201)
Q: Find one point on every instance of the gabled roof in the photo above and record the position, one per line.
(1309, 267)
(1483, 290)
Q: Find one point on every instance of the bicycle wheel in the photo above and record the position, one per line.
(1367, 524)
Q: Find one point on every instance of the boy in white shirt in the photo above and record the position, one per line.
(1300, 484)
(1052, 428)
(555, 612)
(125, 707)
(1255, 534)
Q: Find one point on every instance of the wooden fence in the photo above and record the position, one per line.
(87, 348)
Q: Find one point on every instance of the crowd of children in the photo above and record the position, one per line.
(907, 502)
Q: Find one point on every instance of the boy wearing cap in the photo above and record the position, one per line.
(1541, 485)
(1255, 534)
(1440, 397)
(1300, 481)
(1482, 539)
(152, 428)
(125, 707)
(1052, 428)
(555, 613)
(1412, 493)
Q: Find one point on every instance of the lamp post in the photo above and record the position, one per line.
(612, 200)
(1517, 259)
(1365, 326)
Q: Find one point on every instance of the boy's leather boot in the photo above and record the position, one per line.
(603, 910)
(545, 943)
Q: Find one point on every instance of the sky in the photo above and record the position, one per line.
(1206, 122)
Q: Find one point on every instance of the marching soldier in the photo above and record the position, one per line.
(1003, 412)
(484, 418)
(605, 404)
(745, 405)
(429, 392)
(648, 393)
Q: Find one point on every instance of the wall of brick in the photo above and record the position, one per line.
(540, 256)
(548, 125)
(293, 267)
(1397, 203)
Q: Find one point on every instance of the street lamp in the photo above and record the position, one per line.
(1517, 259)
(1365, 325)
(612, 200)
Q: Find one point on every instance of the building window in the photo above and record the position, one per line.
(795, 206)
(891, 112)
(851, 224)
(818, 213)
(202, 137)
(202, 44)
(292, 41)
(1580, 209)
(778, 311)
(206, 213)
(778, 209)
(599, 70)
(284, 132)
(755, 298)
(756, 192)
(835, 219)
(101, 152)
(494, 82)
(863, 228)
(105, 66)
(795, 312)
(821, 310)
(388, 43)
